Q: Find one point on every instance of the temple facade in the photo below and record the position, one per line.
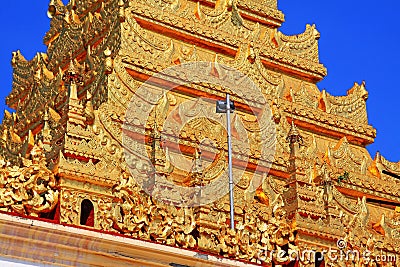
(115, 155)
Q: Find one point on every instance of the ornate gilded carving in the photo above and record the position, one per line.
(70, 207)
(192, 28)
(139, 215)
(351, 106)
(28, 189)
(380, 163)
(304, 45)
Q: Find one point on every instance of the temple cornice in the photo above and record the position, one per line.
(189, 30)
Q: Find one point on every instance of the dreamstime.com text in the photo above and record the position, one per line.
(333, 255)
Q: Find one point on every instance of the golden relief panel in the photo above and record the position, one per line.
(31, 188)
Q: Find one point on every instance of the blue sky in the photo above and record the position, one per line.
(360, 40)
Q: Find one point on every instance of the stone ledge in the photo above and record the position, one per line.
(43, 242)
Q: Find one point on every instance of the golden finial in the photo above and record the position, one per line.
(294, 135)
(46, 128)
(72, 69)
(196, 171)
(197, 164)
(72, 76)
(46, 116)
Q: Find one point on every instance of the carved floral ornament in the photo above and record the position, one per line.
(144, 217)
(29, 189)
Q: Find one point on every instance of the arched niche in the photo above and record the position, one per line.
(87, 217)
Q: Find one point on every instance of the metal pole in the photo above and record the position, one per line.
(228, 122)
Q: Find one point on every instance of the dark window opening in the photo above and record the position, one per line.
(319, 259)
(87, 213)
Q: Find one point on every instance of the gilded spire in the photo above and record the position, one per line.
(46, 131)
(72, 74)
(197, 164)
(72, 70)
(73, 78)
(294, 135)
(196, 172)
(46, 120)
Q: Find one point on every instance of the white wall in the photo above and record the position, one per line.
(17, 263)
